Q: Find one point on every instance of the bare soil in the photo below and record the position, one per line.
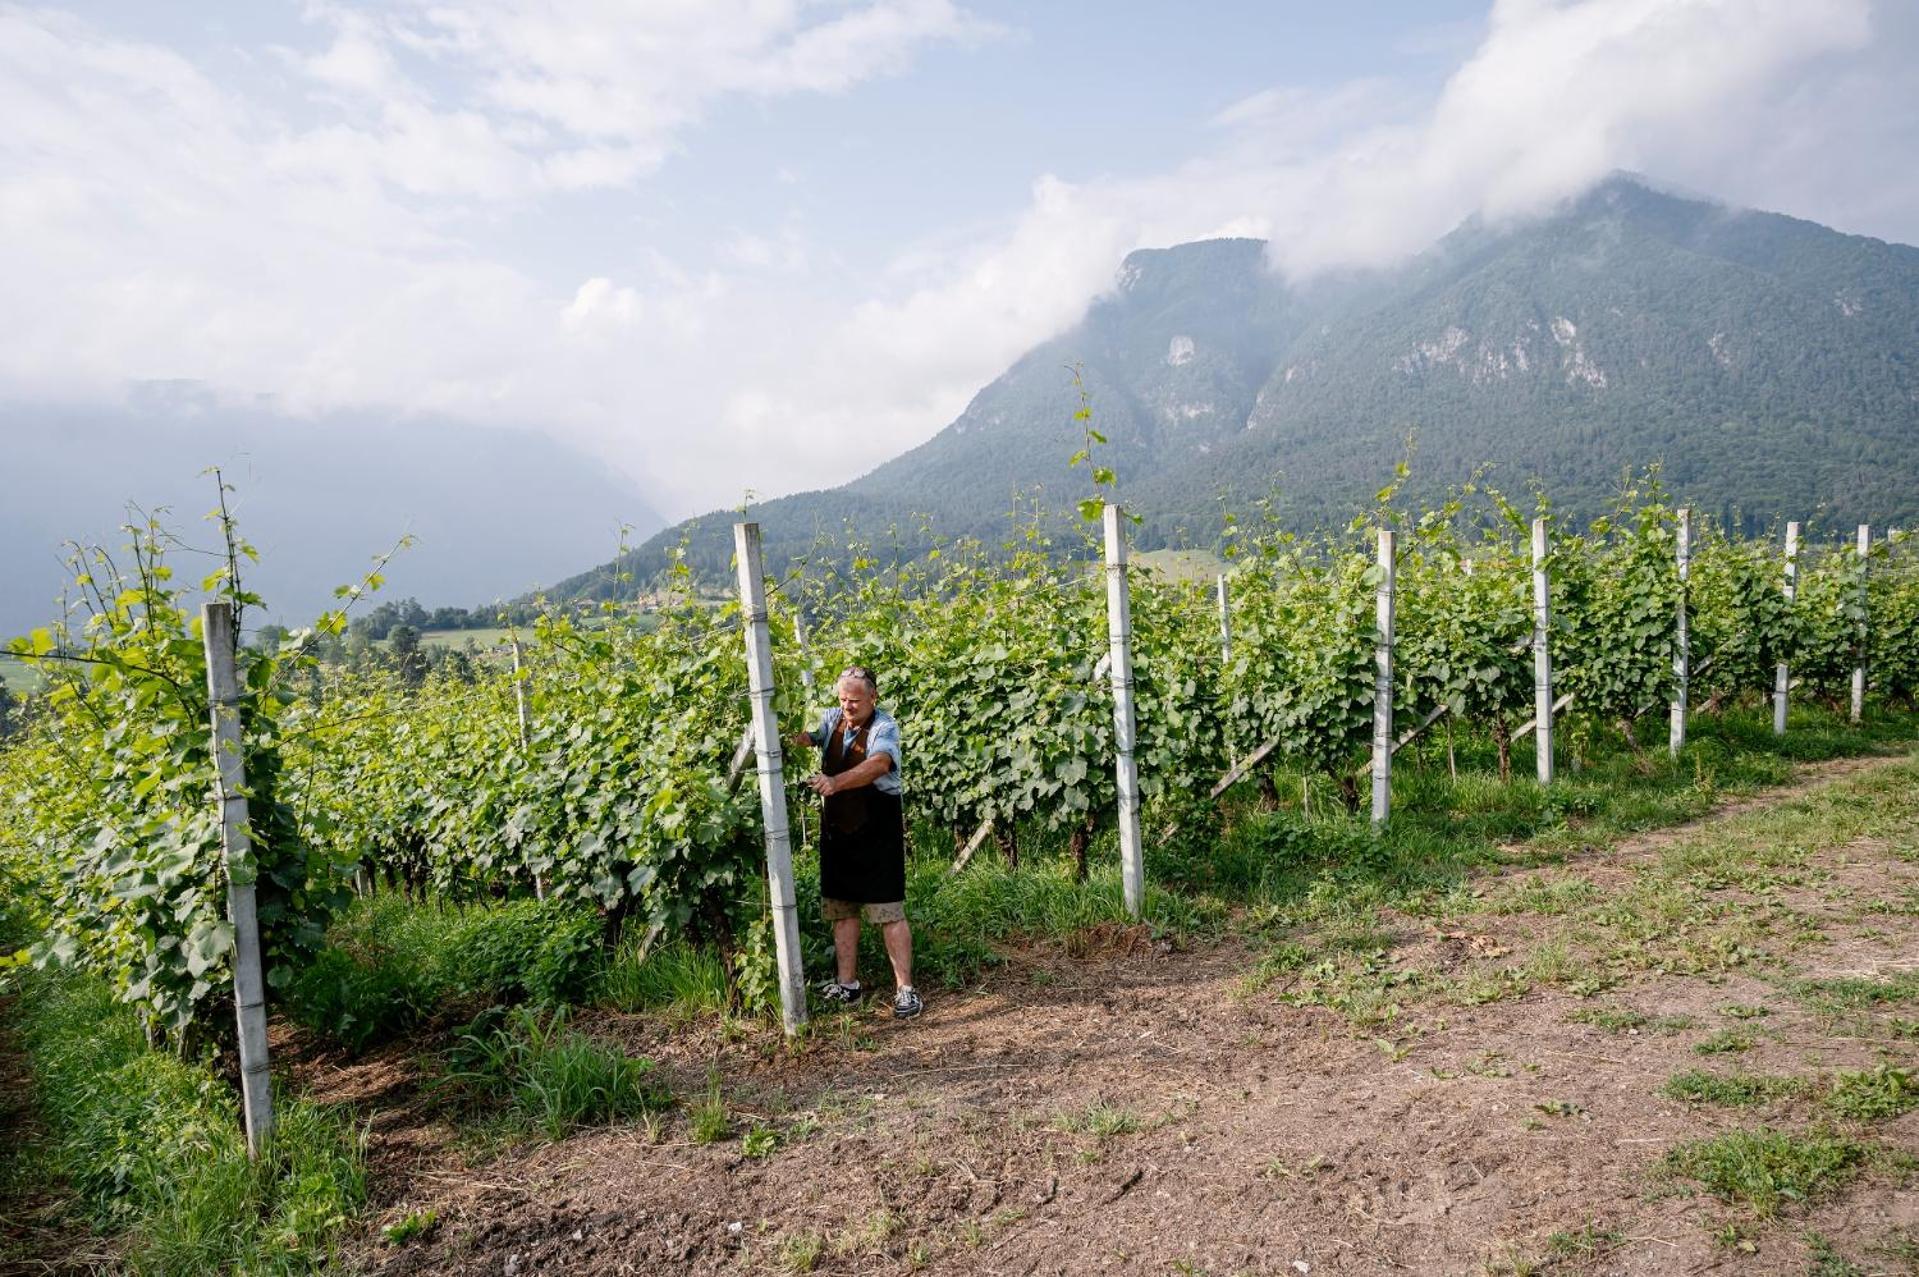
(1130, 1109)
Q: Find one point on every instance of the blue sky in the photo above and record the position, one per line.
(733, 244)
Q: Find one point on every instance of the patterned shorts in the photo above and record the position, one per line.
(878, 914)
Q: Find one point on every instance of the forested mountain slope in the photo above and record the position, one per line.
(1767, 362)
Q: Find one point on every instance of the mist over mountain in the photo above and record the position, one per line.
(1769, 364)
(490, 511)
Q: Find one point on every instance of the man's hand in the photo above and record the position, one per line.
(799, 740)
(823, 785)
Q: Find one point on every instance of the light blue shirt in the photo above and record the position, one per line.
(883, 737)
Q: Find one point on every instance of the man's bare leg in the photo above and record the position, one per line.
(846, 947)
(899, 949)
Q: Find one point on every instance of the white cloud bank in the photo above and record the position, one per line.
(156, 224)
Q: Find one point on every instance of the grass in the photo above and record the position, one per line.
(151, 1146)
(1764, 1170)
(709, 1121)
(681, 978)
(550, 1076)
(1841, 994)
(1100, 1120)
(394, 962)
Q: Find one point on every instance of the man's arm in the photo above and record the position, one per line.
(815, 738)
(853, 777)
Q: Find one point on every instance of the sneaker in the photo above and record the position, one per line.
(907, 1004)
(847, 995)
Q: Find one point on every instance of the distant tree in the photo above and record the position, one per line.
(403, 651)
(9, 711)
(455, 664)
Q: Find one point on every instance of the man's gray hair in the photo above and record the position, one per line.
(863, 674)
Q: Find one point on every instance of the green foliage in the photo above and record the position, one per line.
(1893, 604)
(1615, 592)
(1303, 646)
(618, 798)
(112, 790)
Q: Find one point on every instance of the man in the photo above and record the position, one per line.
(862, 837)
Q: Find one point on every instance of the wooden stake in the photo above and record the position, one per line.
(972, 844)
(766, 745)
(1682, 638)
(236, 841)
(1782, 676)
(1859, 668)
(1119, 632)
(1542, 656)
(1383, 683)
(737, 767)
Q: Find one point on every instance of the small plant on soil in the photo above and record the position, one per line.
(1696, 1087)
(1740, 1012)
(1884, 1091)
(1724, 1042)
(1827, 1261)
(1611, 1019)
(1490, 1064)
(1588, 1240)
(759, 1142)
(800, 1252)
(1100, 1120)
(416, 1224)
(1765, 1169)
(708, 1121)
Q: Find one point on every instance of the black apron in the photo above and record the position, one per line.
(862, 831)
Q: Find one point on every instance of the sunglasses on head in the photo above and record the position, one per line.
(863, 674)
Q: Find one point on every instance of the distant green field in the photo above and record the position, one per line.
(1183, 565)
(483, 639)
(19, 676)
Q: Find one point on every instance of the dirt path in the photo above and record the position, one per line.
(1152, 1112)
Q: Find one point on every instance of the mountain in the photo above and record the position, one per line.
(1771, 365)
(489, 510)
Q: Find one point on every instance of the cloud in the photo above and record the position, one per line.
(611, 84)
(345, 249)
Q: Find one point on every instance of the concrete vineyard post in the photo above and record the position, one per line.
(1226, 649)
(1383, 683)
(1783, 674)
(806, 682)
(1542, 656)
(1859, 666)
(236, 843)
(1119, 633)
(1682, 636)
(526, 733)
(768, 765)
